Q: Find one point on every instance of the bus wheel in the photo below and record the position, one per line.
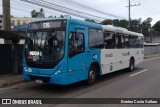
(92, 75)
(131, 65)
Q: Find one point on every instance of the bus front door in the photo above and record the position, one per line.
(76, 54)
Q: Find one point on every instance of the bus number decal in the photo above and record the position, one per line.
(46, 25)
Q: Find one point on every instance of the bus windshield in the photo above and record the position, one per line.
(45, 46)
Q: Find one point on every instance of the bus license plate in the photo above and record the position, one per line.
(39, 81)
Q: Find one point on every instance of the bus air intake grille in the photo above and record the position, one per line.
(44, 79)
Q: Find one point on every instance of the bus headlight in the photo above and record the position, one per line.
(25, 69)
(58, 71)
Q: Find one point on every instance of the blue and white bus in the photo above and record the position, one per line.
(65, 51)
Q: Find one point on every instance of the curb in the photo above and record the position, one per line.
(151, 56)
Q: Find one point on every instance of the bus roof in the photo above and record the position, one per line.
(120, 30)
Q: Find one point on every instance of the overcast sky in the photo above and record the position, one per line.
(147, 8)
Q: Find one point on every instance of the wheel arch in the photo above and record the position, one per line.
(97, 66)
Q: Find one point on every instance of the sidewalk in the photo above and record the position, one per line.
(12, 79)
(151, 56)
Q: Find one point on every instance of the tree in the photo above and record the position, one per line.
(116, 22)
(156, 27)
(91, 20)
(136, 25)
(41, 10)
(1, 16)
(146, 26)
(107, 22)
(61, 16)
(34, 13)
(40, 14)
(123, 23)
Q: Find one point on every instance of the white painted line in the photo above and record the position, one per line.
(138, 72)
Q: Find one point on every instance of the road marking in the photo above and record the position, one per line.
(138, 72)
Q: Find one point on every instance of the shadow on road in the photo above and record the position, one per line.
(80, 87)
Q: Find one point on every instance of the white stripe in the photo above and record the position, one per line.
(138, 72)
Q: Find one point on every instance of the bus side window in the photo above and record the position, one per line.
(76, 43)
(109, 39)
(128, 41)
(96, 39)
(135, 41)
(120, 43)
(140, 39)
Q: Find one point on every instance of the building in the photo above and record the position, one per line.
(23, 21)
(20, 21)
(19, 24)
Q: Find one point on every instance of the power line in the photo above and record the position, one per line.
(139, 11)
(71, 2)
(64, 10)
(24, 4)
(148, 10)
(17, 9)
(151, 6)
(59, 10)
(72, 9)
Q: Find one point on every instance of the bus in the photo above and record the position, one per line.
(65, 51)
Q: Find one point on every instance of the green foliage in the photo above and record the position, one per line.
(136, 25)
(36, 14)
(61, 16)
(123, 23)
(116, 22)
(41, 10)
(156, 27)
(91, 20)
(107, 22)
(146, 27)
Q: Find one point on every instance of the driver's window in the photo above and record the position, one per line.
(76, 43)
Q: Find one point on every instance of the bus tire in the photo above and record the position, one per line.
(131, 65)
(92, 76)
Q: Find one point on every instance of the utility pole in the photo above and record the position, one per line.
(6, 17)
(129, 14)
(129, 10)
(7, 26)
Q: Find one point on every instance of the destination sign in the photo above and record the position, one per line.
(48, 24)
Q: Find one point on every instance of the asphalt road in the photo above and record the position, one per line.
(143, 82)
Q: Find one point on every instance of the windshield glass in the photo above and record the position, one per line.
(45, 46)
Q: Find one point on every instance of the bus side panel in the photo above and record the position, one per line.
(108, 60)
(123, 57)
(140, 57)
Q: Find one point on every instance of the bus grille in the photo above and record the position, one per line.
(44, 79)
